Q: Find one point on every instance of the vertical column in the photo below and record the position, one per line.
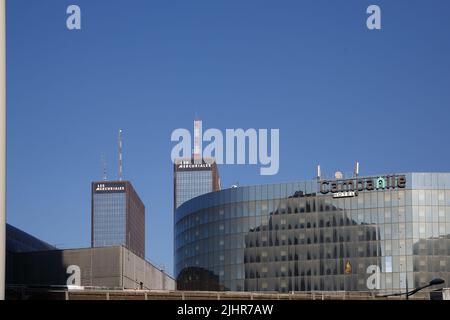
(2, 147)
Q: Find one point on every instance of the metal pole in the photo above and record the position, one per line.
(2, 147)
(407, 289)
(120, 156)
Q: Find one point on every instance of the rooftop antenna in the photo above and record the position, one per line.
(120, 156)
(105, 177)
(356, 173)
(197, 140)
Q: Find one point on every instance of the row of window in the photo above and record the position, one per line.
(318, 220)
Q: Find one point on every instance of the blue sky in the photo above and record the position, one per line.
(337, 91)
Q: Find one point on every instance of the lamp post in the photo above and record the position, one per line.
(433, 282)
(2, 147)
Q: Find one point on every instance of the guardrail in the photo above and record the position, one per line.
(100, 293)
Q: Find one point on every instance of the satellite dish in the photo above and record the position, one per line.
(339, 175)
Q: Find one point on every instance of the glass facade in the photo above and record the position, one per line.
(118, 216)
(191, 184)
(109, 220)
(193, 178)
(293, 237)
(20, 241)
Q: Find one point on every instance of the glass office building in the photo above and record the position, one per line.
(386, 233)
(118, 216)
(193, 178)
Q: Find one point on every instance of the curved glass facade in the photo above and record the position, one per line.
(374, 234)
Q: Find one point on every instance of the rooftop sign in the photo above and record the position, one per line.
(350, 187)
(109, 187)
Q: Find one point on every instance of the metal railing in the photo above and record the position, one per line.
(102, 293)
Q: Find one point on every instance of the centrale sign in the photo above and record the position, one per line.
(350, 187)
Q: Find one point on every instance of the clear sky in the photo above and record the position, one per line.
(337, 91)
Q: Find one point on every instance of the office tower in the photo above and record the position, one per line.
(118, 216)
(194, 179)
(196, 175)
(317, 235)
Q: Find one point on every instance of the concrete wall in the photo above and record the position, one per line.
(99, 267)
(111, 267)
(138, 272)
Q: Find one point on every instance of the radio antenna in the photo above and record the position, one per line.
(197, 140)
(356, 171)
(120, 156)
(105, 177)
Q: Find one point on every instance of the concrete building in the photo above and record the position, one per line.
(32, 262)
(107, 267)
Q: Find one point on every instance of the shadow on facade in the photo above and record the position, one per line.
(199, 279)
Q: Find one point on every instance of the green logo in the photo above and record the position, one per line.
(380, 183)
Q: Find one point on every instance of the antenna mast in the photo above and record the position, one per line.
(356, 171)
(120, 156)
(105, 177)
(198, 141)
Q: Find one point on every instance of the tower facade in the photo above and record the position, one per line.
(118, 216)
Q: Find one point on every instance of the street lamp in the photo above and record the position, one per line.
(433, 282)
